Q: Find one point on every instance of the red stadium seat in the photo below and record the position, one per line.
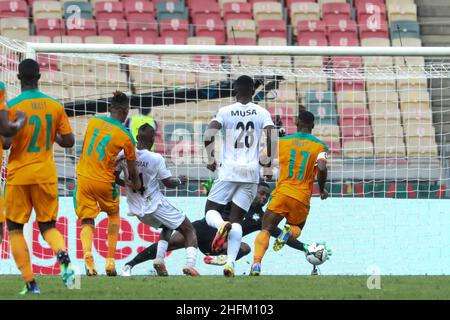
(359, 3)
(355, 83)
(106, 10)
(356, 133)
(346, 62)
(49, 27)
(354, 117)
(308, 41)
(378, 29)
(272, 29)
(334, 147)
(204, 9)
(81, 27)
(344, 40)
(18, 8)
(208, 60)
(370, 11)
(174, 28)
(141, 40)
(311, 29)
(241, 41)
(47, 62)
(211, 27)
(337, 10)
(115, 28)
(139, 10)
(286, 116)
(171, 40)
(144, 29)
(237, 11)
(342, 26)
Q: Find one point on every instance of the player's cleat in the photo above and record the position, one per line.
(220, 260)
(314, 271)
(160, 268)
(67, 272)
(255, 269)
(190, 271)
(30, 288)
(282, 238)
(228, 271)
(221, 237)
(110, 267)
(126, 271)
(89, 265)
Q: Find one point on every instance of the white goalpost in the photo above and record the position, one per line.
(383, 112)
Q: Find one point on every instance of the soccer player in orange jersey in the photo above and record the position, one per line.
(32, 180)
(96, 189)
(301, 157)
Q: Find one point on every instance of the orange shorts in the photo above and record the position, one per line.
(92, 196)
(2, 210)
(293, 210)
(21, 199)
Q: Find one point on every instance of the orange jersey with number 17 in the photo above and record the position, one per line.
(105, 138)
(298, 154)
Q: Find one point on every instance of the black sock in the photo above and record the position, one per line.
(241, 254)
(148, 253)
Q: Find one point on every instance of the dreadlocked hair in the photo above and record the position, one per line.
(119, 100)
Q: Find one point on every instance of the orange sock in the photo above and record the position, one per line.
(55, 239)
(261, 244)
(86, 235)
(113, 234)
(295, 232)
(19, 249)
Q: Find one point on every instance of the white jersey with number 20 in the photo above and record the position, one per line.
(242, 125)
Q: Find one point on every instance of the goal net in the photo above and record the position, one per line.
(384, 118)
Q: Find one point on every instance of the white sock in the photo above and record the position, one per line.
(234, 243)
(162, 249)
(191, 256)
(214, 219)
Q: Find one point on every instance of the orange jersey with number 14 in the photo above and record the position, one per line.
(105, 138)
(298, 154)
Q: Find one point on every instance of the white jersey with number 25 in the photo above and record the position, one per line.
(241, 125)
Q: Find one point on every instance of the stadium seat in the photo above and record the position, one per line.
(311, 29)
(407, 42)
(351, 116)
(99, 39)
(184, 80)
(323, 106)
(243, 28)
(51, 78)
(267, 11)
(171, 40)
(356, 132)
(47, 10)
(58, 92)
(241, 41)
(272, 29)
(246, 60)
(204, 9)
(140, 40)
(223, 2)
(350, 99)
(405, 29)
(116, 28)
(389, 147)
(417, 115)
(371, 11)
(47, 62)
(382, 129)
(419, 130)
(349, 84)
(79, 8)
(327, 132)
(414, 82)
(357, 148)
(81, 27)
(322, 2)
(147, 80)
(105, 10)
(15, 27)
(318, 81)
(304, 11)
(40, 39)
(286, 93)
(215, 28)
(343, 40)
(382, 85)
(174, 28)
(402, 12)
(147, 30)
(375, 42)
(342, 27)
(413, 98)
(18, 8)
(49, 27)
(272, 42)
(171, 10)
(139, 10)
(379, 30)
(382, 96)
(421, 147)
(67, 39)
(341, 11)
(346, 62)
(236, 11)
(286, 115)
(334, 147)
(308, 62)
(359, 3)
(308, 41)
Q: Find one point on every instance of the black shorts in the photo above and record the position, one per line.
(205, 235)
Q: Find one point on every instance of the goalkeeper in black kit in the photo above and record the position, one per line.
(205, 234)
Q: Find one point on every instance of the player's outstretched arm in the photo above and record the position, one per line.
(209, 141)
(134, 175)
(8, 128)
(174, 182)
(322, 178)
(65, 140)
(119, 181)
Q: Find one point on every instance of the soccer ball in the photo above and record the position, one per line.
(316, 254)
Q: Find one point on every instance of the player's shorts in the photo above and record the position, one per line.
(92, 196)
(21, 199)
(2, 210)
(296, 212)
(166, 214)
(240, 193)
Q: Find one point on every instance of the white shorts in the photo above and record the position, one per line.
(165, 214)
(240, 193)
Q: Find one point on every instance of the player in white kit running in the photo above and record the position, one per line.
(150, 205)
(238, 171)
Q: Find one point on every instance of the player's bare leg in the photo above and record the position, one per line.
(113, 235)
(163, 244)
(191, 245)
(87, 235)
(269, 223)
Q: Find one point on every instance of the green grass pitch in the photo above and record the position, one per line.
(238, 288)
